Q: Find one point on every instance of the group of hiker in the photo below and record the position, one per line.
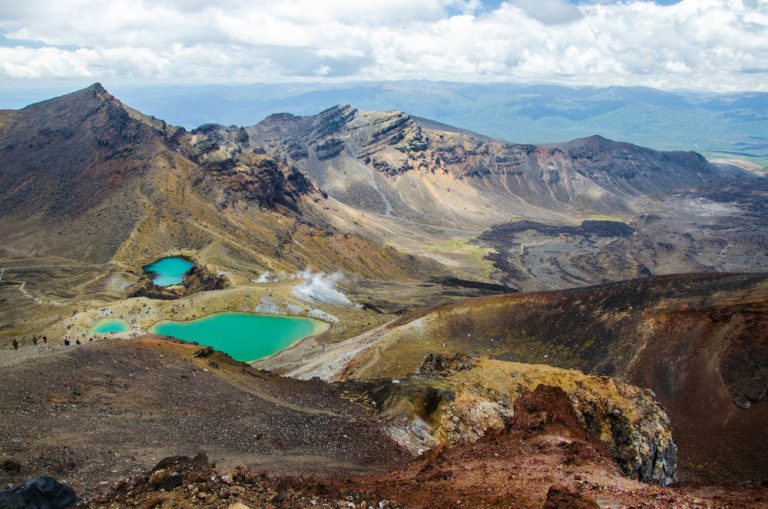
(44, 339)
(35, 339)
(68, 341)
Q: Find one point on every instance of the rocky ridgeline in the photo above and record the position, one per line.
(459, 399)
(597, 173)
(233, 169)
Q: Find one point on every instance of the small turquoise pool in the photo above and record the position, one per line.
(110, 325)
(168, 271)
(245, 337)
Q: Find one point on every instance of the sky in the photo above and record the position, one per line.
(717, 45)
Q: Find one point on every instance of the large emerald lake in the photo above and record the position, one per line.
(244, 336)
(168, 271)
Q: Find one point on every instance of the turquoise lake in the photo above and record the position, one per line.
(110, 325)
(245, 337)
(168, 271)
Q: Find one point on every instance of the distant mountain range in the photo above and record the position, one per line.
(731, 125)
(386, 177)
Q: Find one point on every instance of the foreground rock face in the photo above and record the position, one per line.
(539, 458)
(698, 341)
(464, 398)
(281, 426)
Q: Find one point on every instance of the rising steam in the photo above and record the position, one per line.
(320, 287)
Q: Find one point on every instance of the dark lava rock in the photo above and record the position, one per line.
(503, 235)
(437, 364)
(173, 471)
(484, 288)
(166, 480)
(41, 492)
(546, 406)
(11, 465)
(204, 352)
(559, 497)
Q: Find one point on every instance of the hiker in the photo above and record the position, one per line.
(66, 342)
(45, 340)
(77, 341)
(15, 344)
(34, 340)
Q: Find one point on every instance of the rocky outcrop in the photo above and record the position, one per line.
(234, 169)
(198, 279)
(436, 364)
(640, 432)
(458, 400)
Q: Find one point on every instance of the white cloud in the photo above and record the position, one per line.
(549, 11)
(709, 44)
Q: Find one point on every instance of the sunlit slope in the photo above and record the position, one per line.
(396, 165)
(88, 179)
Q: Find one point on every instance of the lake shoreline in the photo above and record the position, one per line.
(320, 328)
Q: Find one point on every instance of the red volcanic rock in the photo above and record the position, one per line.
(546, 406)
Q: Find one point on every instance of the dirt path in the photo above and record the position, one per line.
(10, 357)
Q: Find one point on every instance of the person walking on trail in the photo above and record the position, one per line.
(15, 344)
(45, 340)
(34, 340)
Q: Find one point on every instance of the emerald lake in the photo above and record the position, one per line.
(110, 325)
(244, 336)
(168, 271)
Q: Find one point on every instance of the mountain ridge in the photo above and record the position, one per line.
(707, 122)
(367, 144)
(371, 174)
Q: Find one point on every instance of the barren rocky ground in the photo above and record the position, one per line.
(94, 413)
(111, 418)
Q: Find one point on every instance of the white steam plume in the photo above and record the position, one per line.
(320, 287)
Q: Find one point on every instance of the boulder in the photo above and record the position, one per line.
(38, 493)
(203, 352)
